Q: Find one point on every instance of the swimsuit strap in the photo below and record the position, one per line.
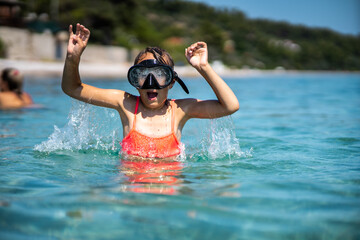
(136, 109)
(172, 116)
(137, 105)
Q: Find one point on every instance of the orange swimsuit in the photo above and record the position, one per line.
(138, 144)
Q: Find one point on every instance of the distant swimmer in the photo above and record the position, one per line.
(12, 95)
(151, 122)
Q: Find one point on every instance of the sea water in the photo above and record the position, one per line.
(285, 166)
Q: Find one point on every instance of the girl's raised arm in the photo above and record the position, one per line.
(226, 103)
(71, 82)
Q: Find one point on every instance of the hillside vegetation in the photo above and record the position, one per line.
(233, 38)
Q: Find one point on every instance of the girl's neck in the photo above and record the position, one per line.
(161, 110)
(154, 122)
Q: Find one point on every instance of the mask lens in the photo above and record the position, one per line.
(138, 75)
(162, 75)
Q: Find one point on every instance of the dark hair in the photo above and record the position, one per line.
(14, 81)
(159, 54)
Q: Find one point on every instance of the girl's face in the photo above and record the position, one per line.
(153, 98)
(3, 86)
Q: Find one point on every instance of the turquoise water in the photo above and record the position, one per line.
(285, 166)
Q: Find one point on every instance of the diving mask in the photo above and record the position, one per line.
(150, 74)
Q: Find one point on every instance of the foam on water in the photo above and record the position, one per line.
(89, 127)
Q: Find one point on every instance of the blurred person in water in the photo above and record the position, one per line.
(152, 123)
(12, 95)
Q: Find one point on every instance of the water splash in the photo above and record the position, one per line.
(221, 141)
(89, 127)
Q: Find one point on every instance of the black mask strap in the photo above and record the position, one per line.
(182, 84)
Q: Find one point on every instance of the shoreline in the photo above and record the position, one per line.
(32, 68)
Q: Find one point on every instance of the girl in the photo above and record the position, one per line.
(12, 95)
(152, 123)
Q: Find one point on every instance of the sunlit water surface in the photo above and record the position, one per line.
(285, 166)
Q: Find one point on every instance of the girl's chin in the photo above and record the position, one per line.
(154, 104)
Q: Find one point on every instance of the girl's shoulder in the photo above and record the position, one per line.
(185, 102)
(129, 102)
(185, 105)
(10, 100)
(27, 99)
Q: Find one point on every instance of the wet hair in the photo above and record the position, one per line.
(159, 54)
(13, 78)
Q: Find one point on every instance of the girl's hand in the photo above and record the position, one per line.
(77, 42)
(197, 55)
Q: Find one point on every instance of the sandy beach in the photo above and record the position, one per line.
(43, 69)
(107, 70)
(31, 68)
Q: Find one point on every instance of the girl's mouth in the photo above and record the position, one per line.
(152, 95)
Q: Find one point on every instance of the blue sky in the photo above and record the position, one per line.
(340, 15)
